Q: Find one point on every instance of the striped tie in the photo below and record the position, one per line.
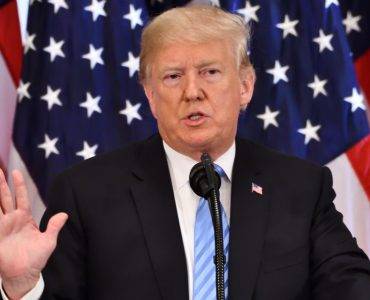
(204, 252)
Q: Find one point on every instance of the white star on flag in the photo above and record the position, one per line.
(279, 72)
(87, 151)
(330, 2)
(249, 12)
(134, 17)
(131, 112)
(52, 97)
(29, 42)
(132, 64)
(91, 104)
(49, 146)
(351, 22)
(324, 41)
(356, 100)
(54, 49)
(97, 9)
(22, 90)
(269, 117)
(310, 132)
(288, 26)
(94, 56)
(58, 4)
(318, 86)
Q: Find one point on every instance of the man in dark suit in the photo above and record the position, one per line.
(128, 234)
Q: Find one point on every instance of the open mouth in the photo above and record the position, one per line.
(195, 116)
(195, 119)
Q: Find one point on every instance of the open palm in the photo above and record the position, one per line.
(24, 250)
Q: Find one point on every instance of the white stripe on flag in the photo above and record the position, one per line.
(23, 7)
(8, 95)
(16, 162)
(351, 200)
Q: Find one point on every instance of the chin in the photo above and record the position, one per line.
(199, 142)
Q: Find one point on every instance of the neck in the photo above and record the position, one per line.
(196, 153)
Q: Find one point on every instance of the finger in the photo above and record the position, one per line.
(55, 224)
(1, 176)
(5, 195)
(1, 210)
(21, 195)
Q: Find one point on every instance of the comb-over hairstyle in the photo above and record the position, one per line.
(193, 24)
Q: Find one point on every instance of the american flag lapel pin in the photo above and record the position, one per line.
(257, 189)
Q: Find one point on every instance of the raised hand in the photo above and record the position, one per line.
(24, 250)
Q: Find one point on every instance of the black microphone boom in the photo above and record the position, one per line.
(206, 182)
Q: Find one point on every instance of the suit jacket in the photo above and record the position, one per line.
(123, 240)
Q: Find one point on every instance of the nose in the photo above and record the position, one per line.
(193, 90)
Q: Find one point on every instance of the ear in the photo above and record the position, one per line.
(150, 96)
(247, 80)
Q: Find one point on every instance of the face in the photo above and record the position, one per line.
(195, 92)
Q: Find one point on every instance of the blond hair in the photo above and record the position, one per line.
(193, 24)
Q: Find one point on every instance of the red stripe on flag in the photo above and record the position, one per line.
(10, 39)
(362, 65)
(359, 156)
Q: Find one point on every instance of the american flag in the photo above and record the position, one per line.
(256, 189)
(79, 94)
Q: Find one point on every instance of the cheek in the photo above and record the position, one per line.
(166, 109)
(167, 113)
(227, 106)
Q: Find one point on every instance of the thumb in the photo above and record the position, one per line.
(55, 224)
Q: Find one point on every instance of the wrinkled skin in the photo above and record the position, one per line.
(196, 92)
(24, 250)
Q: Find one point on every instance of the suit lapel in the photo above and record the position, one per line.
(153, 195)
(249, 215)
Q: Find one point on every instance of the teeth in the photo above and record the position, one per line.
(194, 117)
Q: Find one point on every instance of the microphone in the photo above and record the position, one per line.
(203, 177)
(206, 182)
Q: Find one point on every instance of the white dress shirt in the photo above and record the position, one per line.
(187, 201)
(186, 205)
(33, 294)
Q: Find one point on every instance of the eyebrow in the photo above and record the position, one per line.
(170, 68)
(207, 63)
(176, 67)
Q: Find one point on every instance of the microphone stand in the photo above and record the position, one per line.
(206, 183)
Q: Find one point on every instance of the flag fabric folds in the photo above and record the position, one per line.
(10, 69)
(79, 94)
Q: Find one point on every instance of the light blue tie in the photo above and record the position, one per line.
(204, 287)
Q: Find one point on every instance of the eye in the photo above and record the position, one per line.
(212, 74)
(212, 71)
(171, 78)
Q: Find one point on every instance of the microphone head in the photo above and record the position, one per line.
(199, 181)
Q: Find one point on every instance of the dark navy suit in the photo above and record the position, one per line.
(123, 241)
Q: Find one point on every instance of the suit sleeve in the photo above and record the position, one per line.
(340, 269)
(65, 272)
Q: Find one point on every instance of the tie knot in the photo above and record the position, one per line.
(219, 170)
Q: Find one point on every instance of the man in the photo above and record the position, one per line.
(132, 221)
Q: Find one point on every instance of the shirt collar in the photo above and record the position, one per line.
(182, 164)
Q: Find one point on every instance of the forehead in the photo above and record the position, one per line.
(204, 53)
